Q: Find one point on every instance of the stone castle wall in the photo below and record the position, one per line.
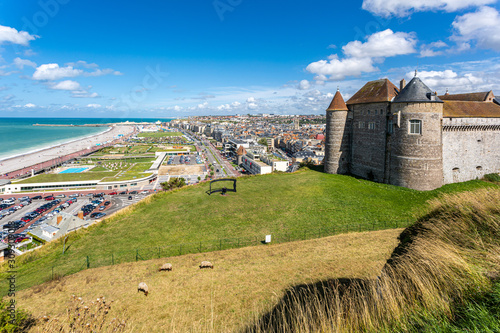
(369, 129)
(471, 148)
(416, 159)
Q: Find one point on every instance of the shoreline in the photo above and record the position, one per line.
(55, 145)
(48, 157)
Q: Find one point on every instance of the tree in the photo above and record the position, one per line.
(263, 141)
(173, 184)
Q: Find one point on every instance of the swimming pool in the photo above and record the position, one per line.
(74, 170)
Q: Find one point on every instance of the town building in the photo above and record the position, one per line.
(412, 137)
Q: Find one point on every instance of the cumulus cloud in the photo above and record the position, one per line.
(481, 27)
(29, 105)
(442, 80)
(11, 35)
(251, 100)
(20, 63)
(84, 94)
(432, 49)
(66, 85)
(51, 72)
(360, 57)
(304, 85)
(94, 106)
(402, 8)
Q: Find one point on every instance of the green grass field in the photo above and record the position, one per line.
(286, 206)
(159, 134)
(67, 177)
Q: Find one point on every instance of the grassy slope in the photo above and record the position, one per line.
(243, 283)
(273, 204)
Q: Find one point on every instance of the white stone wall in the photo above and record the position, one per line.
(471, 148)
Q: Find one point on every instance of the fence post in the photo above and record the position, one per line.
(136, 254)
(88, 262)
(112, 259)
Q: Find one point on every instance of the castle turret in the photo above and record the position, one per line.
(416, 143)
(337, 137)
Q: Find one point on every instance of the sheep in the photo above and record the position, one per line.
(165, 267)
(206, 264)
(144, 288)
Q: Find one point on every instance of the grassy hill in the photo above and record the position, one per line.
(243, 284)
(303, 205)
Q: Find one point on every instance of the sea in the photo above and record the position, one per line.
(18, 135)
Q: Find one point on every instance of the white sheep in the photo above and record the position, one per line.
(144, 288)
(206, 264)
(165, 267)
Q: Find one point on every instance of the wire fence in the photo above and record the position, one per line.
(33, 269)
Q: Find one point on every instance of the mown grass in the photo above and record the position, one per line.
(287, 206)
(159, 134)
(242, 283)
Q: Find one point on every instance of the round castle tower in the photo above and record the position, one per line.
(416, 153)
(337, 137)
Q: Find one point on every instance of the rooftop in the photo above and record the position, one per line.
(338, 103)
(416, 91)
(465, 109)
(374, 91)
(470, 97)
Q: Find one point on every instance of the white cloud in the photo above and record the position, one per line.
(20, 63)
(66, 85)
(81, 63)
(360, 57)
(251, 100)
(203, 106)
(84, 94)
(432, 49)
(402, 8)
(482, 26)
(29, 105)
(382, 44)
(252, 106)
(236, 104)
(442, 80)
(94, 106)
(304, 85)
(11, 35)
(51, 72)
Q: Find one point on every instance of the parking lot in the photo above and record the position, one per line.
(114, 202)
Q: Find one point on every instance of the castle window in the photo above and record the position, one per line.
(361, 124)
(381, 112)
(368, 112)
(415, 126)
(371, 126)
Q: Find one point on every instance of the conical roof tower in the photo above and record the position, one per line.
(337, 134)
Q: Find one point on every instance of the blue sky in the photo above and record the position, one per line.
(177, 58)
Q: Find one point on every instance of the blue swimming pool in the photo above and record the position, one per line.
(74, 170)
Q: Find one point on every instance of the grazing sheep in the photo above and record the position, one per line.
(144, 288)
(165, 267)
(206, 264)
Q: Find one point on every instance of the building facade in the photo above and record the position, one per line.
(411, 137)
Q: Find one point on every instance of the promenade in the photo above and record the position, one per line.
(50, 157)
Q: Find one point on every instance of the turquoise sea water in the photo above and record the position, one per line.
(19, 136)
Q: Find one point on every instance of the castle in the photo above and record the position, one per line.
(411, 137)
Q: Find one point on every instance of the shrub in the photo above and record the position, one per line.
(492, 177)
(22, 323)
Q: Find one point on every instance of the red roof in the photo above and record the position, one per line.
(320, 137)
(374, 92)
(337, 103)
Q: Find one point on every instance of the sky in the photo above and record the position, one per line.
(178, 58)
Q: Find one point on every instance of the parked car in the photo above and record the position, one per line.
(107, 203)
(60, 196)
(36, 197)
(130, 197)
(112, 193)
(102, 208)
(123, 193)
(144, 192)
(49, 198)
(133, 192)
(74, 195)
